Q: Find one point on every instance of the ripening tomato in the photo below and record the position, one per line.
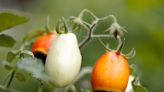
(110, 73)
(41, 45)
(63, 60)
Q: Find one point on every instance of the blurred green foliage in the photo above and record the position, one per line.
(9, 20)
(143, 19)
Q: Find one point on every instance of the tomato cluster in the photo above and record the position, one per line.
(62, 58)
(110, 72)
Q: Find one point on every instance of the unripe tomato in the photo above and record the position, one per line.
(110, 73)
(41, 45)
(63, 60)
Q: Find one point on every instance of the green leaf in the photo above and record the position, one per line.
(6, 41)
(20, 77)
(10, 19)
(34, 67)
(137, 87)
(11, 55)
(7, 65)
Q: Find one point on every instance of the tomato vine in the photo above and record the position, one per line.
(23, 58)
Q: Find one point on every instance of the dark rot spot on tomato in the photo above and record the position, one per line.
(41, 45)
(41, 56)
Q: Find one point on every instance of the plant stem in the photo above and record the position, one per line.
(40, 87)
(91, 35)
(120, 43)
(47, 27)
(88, 37)
(83, 72)
(107, 17)
(87, 11)
(10, 79)
(101, 36)
(105, 46)
(90, 28)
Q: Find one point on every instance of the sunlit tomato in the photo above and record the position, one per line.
(63, 60)
(110, 73)
(41, 45)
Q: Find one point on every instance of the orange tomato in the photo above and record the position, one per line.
(110, 73)
(41, 45)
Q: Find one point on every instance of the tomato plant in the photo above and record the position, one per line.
(61, 52)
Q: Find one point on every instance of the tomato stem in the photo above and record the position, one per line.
(47, 24)
(84, 71)
(101, 36)
(62, 24)
(12, 74)
(106, 47)
(120, 44)
(108, 17)
(89, 36)
(87, 11)
(65, 25)
(115, 29)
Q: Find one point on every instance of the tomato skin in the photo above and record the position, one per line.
(41, 45)
(110, 73)
(63, 60)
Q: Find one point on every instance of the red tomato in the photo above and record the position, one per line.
(110, 73)
(41, 45)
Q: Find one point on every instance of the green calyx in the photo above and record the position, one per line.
(62, 26)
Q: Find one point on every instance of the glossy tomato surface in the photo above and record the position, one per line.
(110, 73)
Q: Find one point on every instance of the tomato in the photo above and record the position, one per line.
(63, 60)
(110, 73)
(41, 45)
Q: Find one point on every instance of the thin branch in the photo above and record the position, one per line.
(85, 27)
(101, 36)
(87, 11)
(47, 24)
(10, 79)
(103, 44)
(83, 72)
(120, 43)
(88, 37)
(107, 17)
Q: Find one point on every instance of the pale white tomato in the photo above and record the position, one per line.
(63, 60)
